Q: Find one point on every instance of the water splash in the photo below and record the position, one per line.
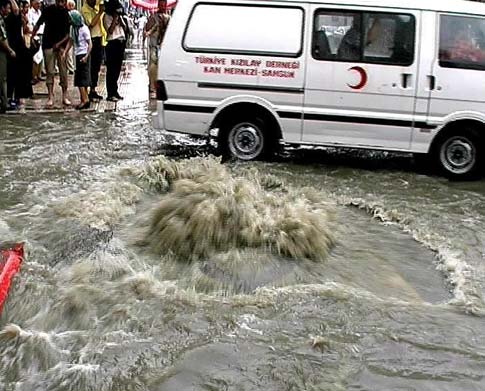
(206, 209)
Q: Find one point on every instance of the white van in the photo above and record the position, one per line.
(379, 74)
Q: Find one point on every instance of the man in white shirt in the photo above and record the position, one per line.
(142, 21)
(33, 16)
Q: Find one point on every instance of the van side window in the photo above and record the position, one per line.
(242, 28)
(462, 42)
(368, 37)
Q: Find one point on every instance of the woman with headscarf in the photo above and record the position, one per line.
(80, 39)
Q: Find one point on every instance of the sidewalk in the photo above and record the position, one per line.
(133, 86)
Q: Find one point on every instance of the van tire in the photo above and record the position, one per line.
(458, 154)
(245, 139)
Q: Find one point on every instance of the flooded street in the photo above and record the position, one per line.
(152, 269)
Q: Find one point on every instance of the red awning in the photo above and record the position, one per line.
(152, 5)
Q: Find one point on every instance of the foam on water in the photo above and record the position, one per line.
(102, 206)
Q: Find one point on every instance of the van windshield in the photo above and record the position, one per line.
(462, 42)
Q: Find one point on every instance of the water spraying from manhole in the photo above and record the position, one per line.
(205, 209)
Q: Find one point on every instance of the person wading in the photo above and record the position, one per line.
(56, 35)
(155, 31)
(92, 12)
(5, 52)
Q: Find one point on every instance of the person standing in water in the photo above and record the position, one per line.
(92, 12)
(34, 15)
(155, 31)
(80, 40)
(19, 86)
(115, 49)
(5, 52)
(56, 35)
(70, 5)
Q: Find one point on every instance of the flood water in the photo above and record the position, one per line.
(380, 288)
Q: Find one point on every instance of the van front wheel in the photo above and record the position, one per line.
(245, 139)
(459, 155)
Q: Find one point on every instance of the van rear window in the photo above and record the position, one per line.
(462, 42)
(245, 29)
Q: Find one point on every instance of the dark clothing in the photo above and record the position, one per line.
(350, 47)
(19, 68)
(114, 60)
(14, 31)
(3, 81)
(97, 53)
(57, 24)
(3, 68)
(82, 76)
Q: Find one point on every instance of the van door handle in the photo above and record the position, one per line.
(432, 82)
(406, 79)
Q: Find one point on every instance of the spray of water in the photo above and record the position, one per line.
(205, 209)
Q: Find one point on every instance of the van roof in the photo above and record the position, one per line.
(458, 6)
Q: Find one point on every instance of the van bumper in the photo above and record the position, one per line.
(158, 117)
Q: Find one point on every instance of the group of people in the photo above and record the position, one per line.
(36, 38)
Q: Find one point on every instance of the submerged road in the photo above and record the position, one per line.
(321, 270)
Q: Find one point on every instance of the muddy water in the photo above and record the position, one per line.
(392, 301)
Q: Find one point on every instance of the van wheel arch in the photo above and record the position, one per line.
(257, 119)
(466, 139)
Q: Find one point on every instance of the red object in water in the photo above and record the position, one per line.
(10, 260)
(152, 5)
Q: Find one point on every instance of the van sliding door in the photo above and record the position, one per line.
(361, 77)
(456, 78)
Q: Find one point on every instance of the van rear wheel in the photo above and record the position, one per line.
(245, 139)
(459, 155)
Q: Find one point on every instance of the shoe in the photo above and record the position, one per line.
(12, 105)
(83, 106)
(112, 99)
(118, 96)
(94, 96)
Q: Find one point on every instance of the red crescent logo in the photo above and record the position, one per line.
(363, 78)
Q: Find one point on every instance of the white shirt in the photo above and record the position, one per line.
(118, 32)
(33, 17)
(83, 41)
(142, 21)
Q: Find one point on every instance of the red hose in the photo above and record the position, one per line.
(10, 261)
